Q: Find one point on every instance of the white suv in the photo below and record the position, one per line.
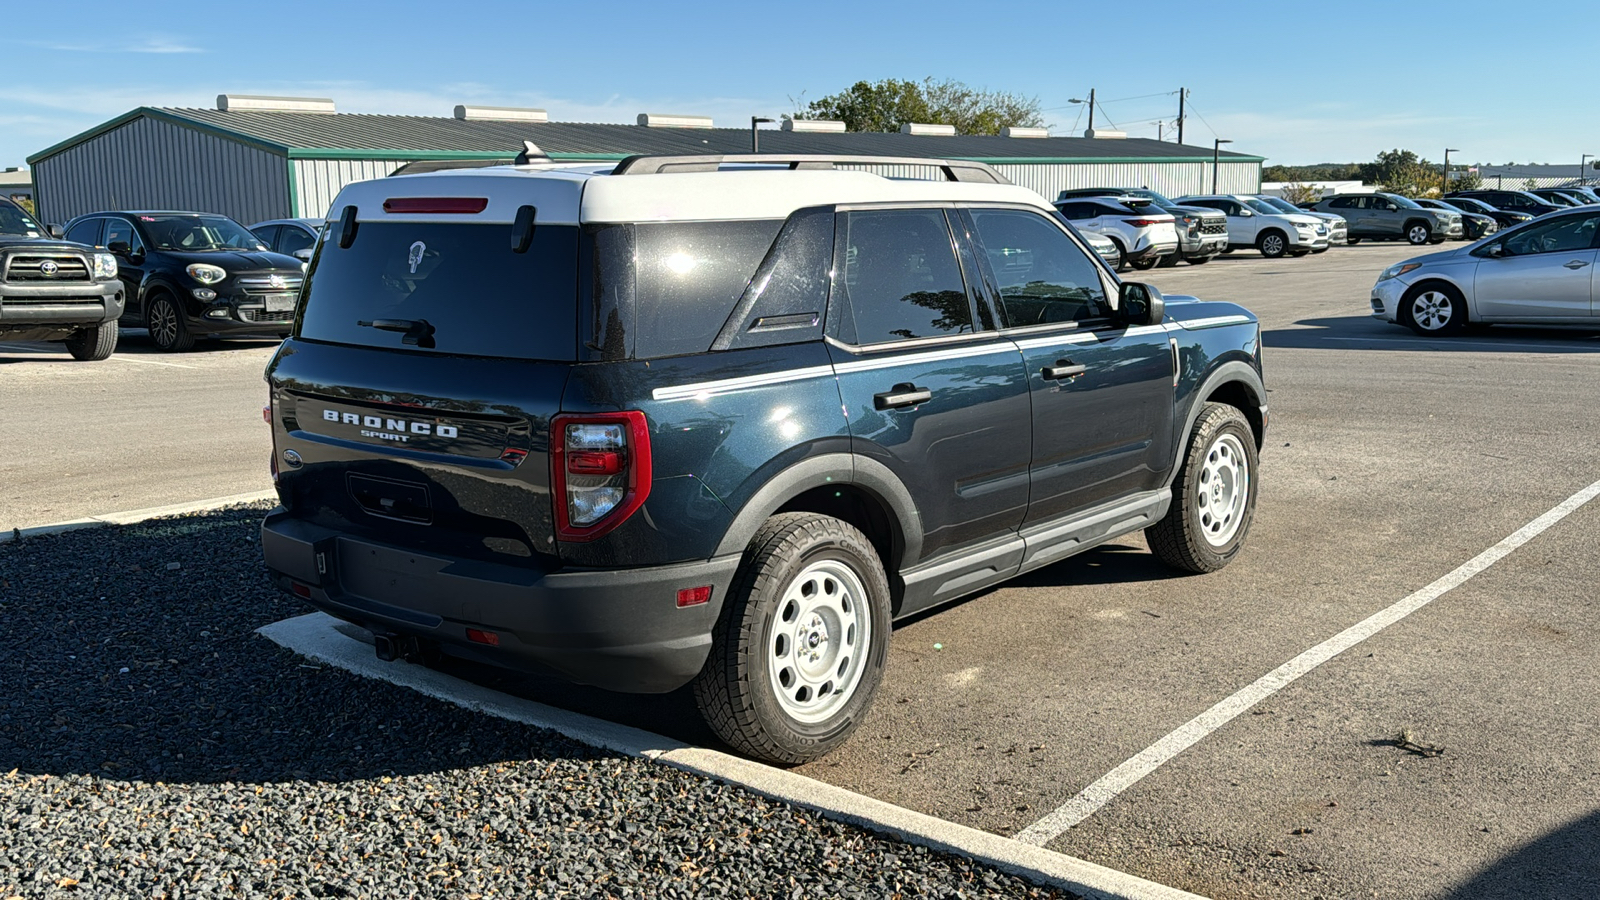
(1143, 232)
(1252, 223)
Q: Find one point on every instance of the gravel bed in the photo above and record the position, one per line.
(154, 747)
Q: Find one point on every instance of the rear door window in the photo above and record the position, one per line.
(901, 277)
(447, 288)
(293, 239)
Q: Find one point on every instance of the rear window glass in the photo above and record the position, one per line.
(457, 287)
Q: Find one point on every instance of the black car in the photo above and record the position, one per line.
(1512, 201)
(1506, 218)
(53, 290)
(658, 426)
(1474, 225)
(190, 275)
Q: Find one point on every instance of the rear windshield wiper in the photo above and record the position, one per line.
(417, 331)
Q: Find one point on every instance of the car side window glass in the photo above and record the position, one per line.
(1042, 275)
(1563, 236)
(901, 276)
(292, 240)
(267, 234)
(86, 232)
(121, 230)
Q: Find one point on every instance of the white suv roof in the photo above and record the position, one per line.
(757, 187)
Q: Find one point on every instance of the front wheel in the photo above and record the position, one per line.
(1351, 241)
(1272, 244)
(800, 647)
(1418, 234)
(1434, 310)
(1200, 260)
(1146, 264)
(1214, 498)
(93, 344)
(166, 325)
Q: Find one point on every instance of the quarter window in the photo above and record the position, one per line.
(901, 276)
(1041, 274)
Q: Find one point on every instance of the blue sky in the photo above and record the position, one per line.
(1295, 82)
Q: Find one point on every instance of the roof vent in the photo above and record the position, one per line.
(925, 129)
(243, 103)
(1103, 134)
(500, 114)
(656, 120)
(1019, 131)
(832, 126)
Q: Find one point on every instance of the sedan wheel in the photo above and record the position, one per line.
(1434, 311)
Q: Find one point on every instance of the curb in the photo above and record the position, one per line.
(134, 515)
(318, 637)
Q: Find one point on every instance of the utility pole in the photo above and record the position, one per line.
(1583, 168)
(755, 136)
(1444, 181)
(1216, 158)
(1182, 93)
(1091, 109)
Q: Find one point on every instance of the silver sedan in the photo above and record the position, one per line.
(1541, 272)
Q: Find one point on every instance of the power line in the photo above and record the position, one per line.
(1140, 97)
(1203, 119)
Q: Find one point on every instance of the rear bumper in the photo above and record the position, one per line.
(1204, 245)
(618, 629)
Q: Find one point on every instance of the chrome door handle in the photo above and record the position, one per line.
(901, 395)
(1063, 368)
(1576, 264)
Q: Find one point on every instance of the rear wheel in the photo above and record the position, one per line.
(1272, 244)
(1168, 261)
(799, 649)
(1214, 498)
(1434, 310)
(1351, 241)
(93, 344)
(1149, 262)
(1200, 260)
(1122, 255)
(167, 329)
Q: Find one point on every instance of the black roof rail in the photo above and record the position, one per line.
(953, 169)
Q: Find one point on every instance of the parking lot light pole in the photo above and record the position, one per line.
(1089, 101)
(755, 136)
(1216, 158)
(1444, 180)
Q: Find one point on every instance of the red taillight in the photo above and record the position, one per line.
(301, 590)
(694, 596)
(266, 414)
(483, 637)
(454, 205)
(599, 471)
(1145, 223)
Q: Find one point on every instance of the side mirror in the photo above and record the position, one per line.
(1141, 304)
(119, 248)
(1494, 251)
(57, 232)
(304, 255)
(1245, 213)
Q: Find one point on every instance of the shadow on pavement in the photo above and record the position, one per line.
(1367, 333)
(1562, 865)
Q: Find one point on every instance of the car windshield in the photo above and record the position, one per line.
(1281, 204)
(1450, 205)
(1470, 205)
(1154, 197)
(1402, 202)
(1260, 207)
(13, 220)
(180, 232)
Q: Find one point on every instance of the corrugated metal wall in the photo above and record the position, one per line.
(1170, 178)
(150, 164)
(317, 181)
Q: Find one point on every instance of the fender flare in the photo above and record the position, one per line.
(831, 468)
(1228, 372)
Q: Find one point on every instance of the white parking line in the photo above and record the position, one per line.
(1437, 344)
(14, 348)
(1092, 798)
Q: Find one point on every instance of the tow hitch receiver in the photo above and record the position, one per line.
(391, 647)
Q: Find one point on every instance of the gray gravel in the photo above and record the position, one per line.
(155, 747)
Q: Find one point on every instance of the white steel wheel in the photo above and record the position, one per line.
(1432, 311)
(1222, 489)
(816, 644)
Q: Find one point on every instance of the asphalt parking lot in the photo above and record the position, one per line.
(1449, 755)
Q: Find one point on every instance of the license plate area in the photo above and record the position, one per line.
(279, 302)
(387, 498)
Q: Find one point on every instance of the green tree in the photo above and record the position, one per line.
(886, 105)
(1401, 172)
(1297, 193)
(1465, 180)
(26, 203)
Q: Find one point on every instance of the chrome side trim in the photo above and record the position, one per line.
(1213, 322)
(1067, 337)
(867, 365)
(725, 385)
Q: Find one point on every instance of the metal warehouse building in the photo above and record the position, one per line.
(257, 158)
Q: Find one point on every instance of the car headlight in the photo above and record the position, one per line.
(1398, 269)
(105, 267)
(206, 274)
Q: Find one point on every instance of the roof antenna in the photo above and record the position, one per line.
(531, 153)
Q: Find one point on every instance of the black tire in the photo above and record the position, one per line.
(1170, 260)
(1351, 241)
(1418, 233)
(1183, 538)
(163, 318)
(93, 344)
(1199, 260)
(1272, 243)
(1122, 256)
(1434, 309)
(738, 689)
(1146, 264)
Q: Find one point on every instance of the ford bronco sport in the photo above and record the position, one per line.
(54, 290)
(721, 421)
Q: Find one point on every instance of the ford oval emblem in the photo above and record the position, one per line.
(292, 458)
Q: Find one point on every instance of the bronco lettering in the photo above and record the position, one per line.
(397, 428)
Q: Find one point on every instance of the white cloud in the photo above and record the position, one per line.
(148, 44)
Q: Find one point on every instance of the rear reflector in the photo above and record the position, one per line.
(454, 205)
(483, 637)
(301, 590)
(694, 596)
(266, 414)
